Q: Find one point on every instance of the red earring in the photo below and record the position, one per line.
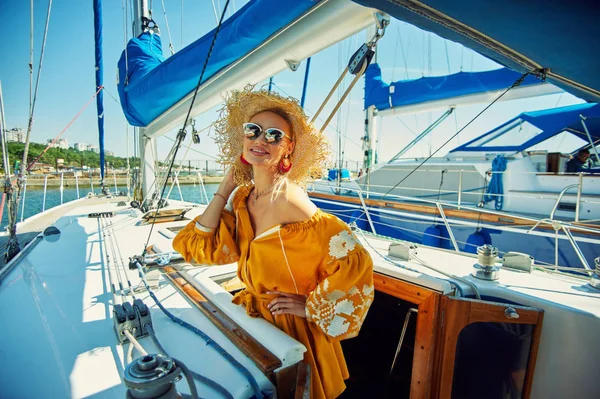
(285, 165)
(243, 160)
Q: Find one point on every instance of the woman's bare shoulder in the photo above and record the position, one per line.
(295, 205)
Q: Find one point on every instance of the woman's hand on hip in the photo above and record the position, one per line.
(287, 303)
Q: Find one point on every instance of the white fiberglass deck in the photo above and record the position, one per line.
(58, 338)
(60, 341)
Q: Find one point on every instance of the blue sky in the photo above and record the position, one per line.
(67, 79)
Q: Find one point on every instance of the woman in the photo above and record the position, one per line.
(304, 270)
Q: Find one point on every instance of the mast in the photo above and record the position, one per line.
(147, 146)
(99, 83)
(370, 136)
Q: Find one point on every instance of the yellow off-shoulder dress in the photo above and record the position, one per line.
(319, 257)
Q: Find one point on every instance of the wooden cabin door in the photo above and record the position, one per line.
(486, 349)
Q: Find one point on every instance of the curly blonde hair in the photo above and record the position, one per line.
(311, 148)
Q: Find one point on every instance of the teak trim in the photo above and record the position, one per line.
(266, 361)
(458, 313)
(508, 220)
(428, 301)
(423, 368)
(293, 382)
(401, 289)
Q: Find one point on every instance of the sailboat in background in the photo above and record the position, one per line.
(504, 187)
(442, 325)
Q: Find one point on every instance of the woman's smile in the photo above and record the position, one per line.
(257, 151)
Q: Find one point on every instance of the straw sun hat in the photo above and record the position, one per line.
(311, 148)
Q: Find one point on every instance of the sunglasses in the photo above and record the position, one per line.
(273, 135)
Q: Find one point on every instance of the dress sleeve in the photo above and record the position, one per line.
(339, 303)
(209, 246)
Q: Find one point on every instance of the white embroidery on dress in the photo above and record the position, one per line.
(341, 244)
(339, 313)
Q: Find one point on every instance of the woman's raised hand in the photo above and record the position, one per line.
(227, 185)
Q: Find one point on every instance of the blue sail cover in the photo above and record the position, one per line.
(547, 122)
(417, 91)
(149, 85)
(559, 35)
(99, 79)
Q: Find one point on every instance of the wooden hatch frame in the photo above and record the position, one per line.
(290, 382)
(440, 319)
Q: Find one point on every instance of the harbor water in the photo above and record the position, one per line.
(34, 198)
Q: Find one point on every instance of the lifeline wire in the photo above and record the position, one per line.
(209, 341)
(185, 123)
(515, 84)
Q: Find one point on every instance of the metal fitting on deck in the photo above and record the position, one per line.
(402, 250)
(595, 279)
(486, 267)
(152, 376)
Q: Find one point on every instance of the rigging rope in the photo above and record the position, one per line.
(215, 11)
(540, 72)
(13, 243)
(111, 246)
(209, 341)
(515, 84)
(37, 83)
(168, 29)
(125, 22)
(30, 55)
(181, 25)
(199, 377)
(64, 130)
(181, 134)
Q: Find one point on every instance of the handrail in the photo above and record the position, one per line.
(23, 203)
(564, 190)
(61, 188)
(576, 248)
(556, 224)
(45, 189)
(474, 192)
(450, 232)
(477, 209)
(367, 214)
(542, 264)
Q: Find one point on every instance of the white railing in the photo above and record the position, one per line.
(476, 194)
(63, 183)
(556, 225)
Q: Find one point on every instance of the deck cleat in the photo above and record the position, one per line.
(486, 267)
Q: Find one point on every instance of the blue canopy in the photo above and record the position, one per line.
(531, 128)
(149, 85)
(521, 35)
(409, 92)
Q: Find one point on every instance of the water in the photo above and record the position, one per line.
(34, 198)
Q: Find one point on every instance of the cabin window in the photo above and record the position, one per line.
(512, 135)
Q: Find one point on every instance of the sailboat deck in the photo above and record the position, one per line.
(66, 291)
(33, 226)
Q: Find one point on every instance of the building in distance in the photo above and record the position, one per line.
(60, 143)
(16, 135)
(80, 146)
